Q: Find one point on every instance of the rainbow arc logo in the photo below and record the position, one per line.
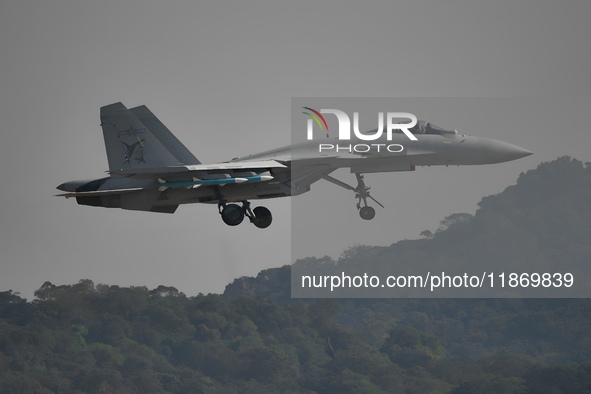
(316, 117)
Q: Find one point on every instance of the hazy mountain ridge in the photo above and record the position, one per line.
(540, 224)
(541, 221)
(87, 338)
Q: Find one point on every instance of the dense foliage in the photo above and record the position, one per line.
(88, 338)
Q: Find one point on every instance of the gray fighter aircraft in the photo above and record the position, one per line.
(151, 170)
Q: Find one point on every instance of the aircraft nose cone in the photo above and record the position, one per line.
(500, 151)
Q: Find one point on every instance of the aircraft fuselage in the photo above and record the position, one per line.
(150, 170)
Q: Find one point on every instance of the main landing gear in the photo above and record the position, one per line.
(361, 194)
(233, 214)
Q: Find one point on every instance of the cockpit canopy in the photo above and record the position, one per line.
(423, 127)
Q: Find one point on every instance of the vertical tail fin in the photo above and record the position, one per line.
(164, 135)
(134, 143)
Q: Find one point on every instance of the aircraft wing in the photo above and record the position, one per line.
(238, 165)
(200, 169)
(196, 175)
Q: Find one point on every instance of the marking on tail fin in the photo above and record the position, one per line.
(134, 145)
(133, 151)
(130, 132)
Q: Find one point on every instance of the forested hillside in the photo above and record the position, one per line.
(540, 225)
(97, 338)
(89, 339)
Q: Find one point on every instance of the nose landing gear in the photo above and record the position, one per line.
(361, 194)
(367, 213)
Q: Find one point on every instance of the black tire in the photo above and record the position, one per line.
(232, 214)
(367, 213)
(262, 217)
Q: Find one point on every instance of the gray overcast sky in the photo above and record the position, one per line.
(220, 75)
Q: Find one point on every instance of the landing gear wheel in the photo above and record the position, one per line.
(232, 214)
(361, 194)
(262, 217)
(367, 213)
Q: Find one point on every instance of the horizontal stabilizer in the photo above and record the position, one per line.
(99, 192)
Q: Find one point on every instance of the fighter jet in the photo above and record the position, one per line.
(151, 170)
